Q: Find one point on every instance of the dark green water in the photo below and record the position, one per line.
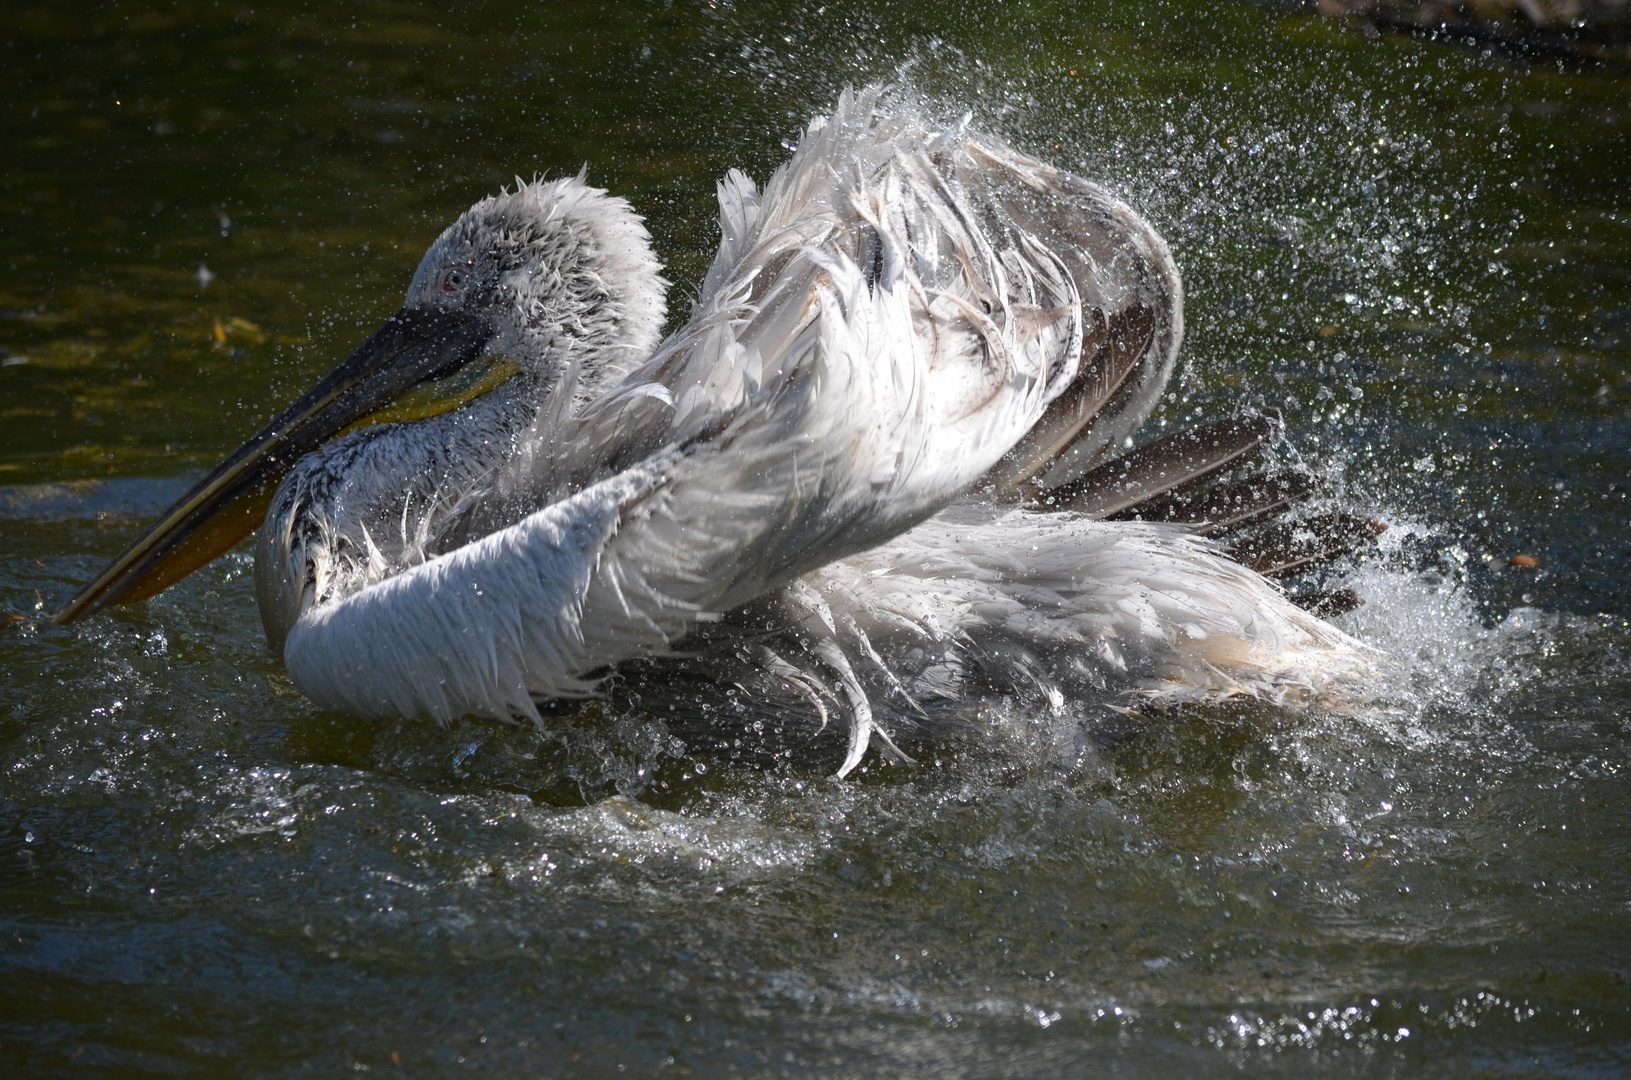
(1423, 255)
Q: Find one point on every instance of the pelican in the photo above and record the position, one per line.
(880, 453)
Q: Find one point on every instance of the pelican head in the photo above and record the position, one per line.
(555, 273)
(546, 291)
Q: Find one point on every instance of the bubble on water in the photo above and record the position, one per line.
(253, 802)
(625, 835)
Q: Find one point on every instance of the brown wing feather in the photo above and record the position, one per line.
(1294, 546)
(1328, 604)
(1166, 465)
(1225, 509)
(1114, 347)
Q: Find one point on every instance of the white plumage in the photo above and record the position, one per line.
(895, 324)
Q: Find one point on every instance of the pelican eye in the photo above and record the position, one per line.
(453, 281)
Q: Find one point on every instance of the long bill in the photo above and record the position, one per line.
(417, 364)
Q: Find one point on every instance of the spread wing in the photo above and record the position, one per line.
(1132, 317)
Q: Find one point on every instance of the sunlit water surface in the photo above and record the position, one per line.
(1421, 254)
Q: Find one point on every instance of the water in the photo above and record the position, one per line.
(1422, 254)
